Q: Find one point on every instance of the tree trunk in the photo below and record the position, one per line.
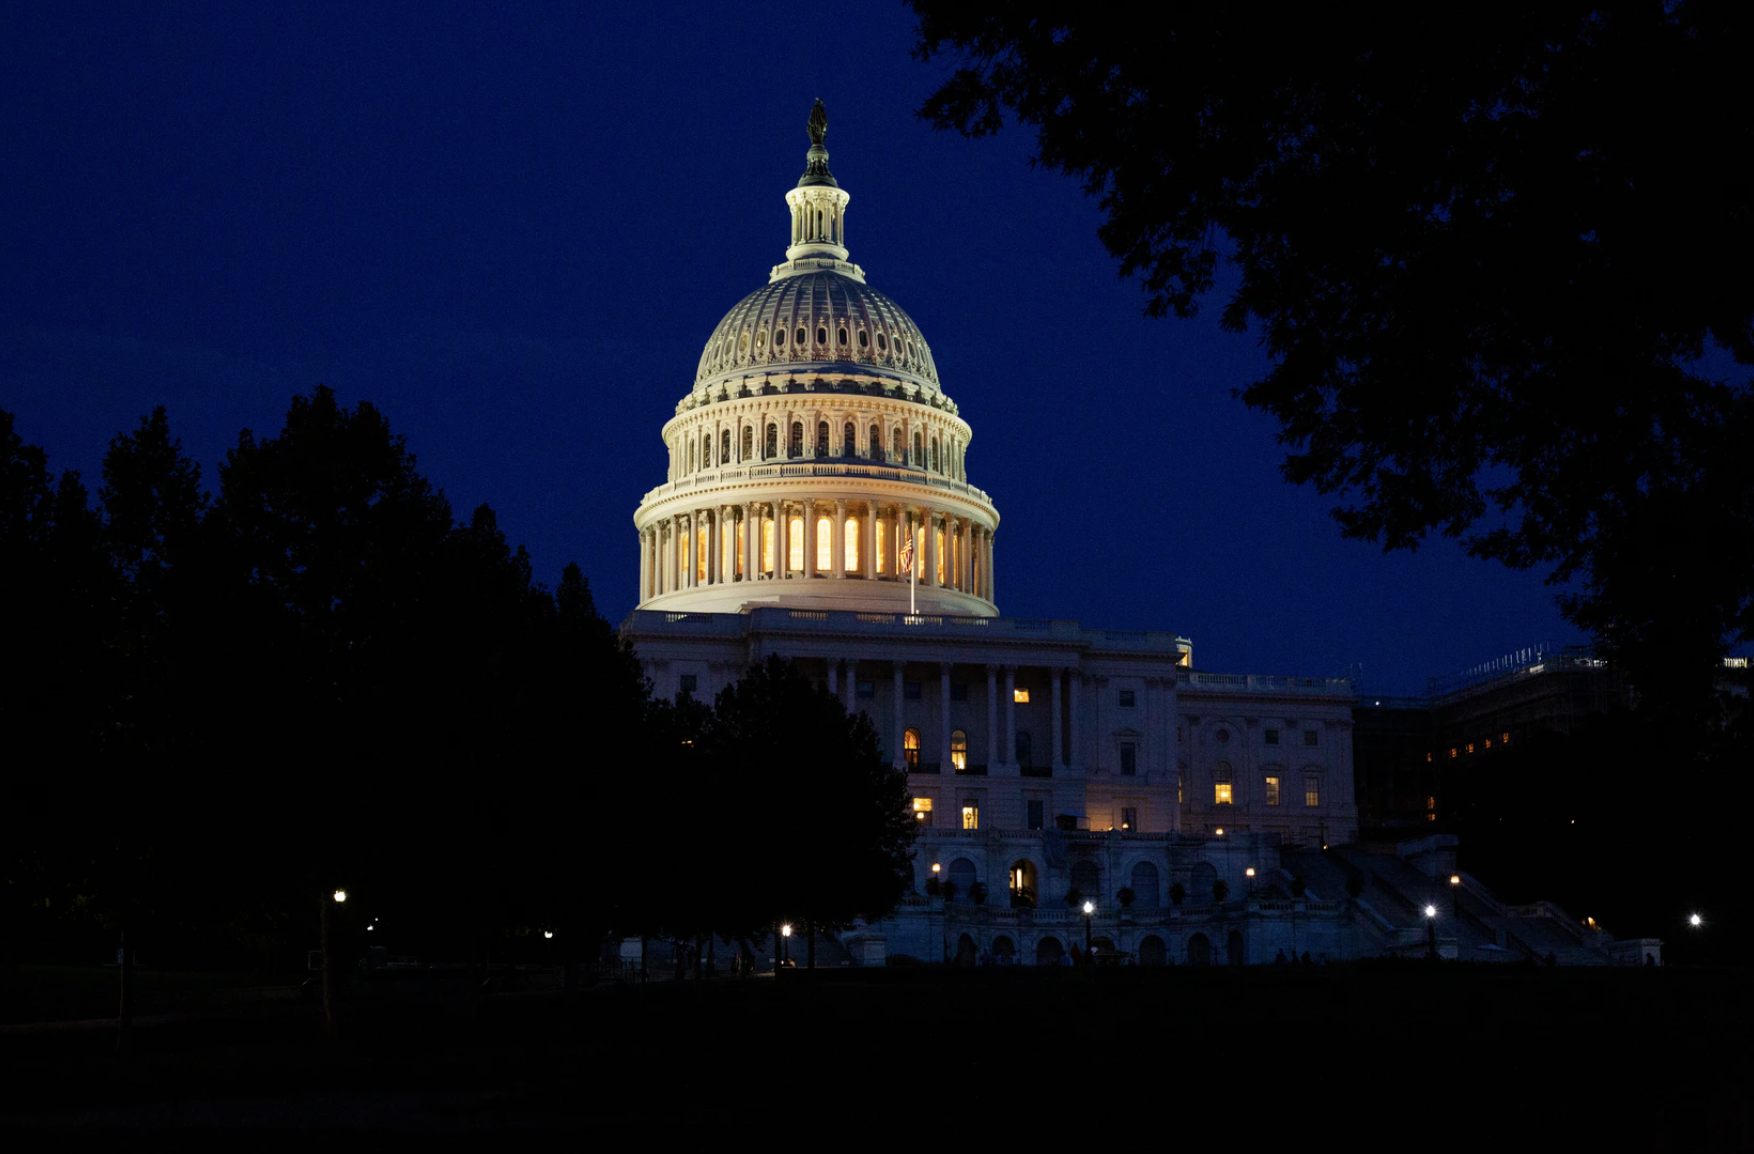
(324, 901)
(124, 1013)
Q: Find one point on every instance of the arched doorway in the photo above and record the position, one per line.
(1199, 950)
(1048, 952)
(1103, 947)
(962, 873)
(965, 951)
(1200, 881)
(1236, 951)
(1023, 890)
(1004, 950)
(1151, 951)
(1144, 885)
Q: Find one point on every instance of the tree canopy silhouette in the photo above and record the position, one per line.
(1498, 259)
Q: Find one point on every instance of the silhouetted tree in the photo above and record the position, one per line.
(1485, 253)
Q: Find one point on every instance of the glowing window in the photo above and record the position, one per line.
(943, 557)
(1452, 751)
(851, 537)
(910, 748)
(971, 816)
(1222, 793)
(742, 548)
(1312, 790)
(1487, 744)
(824, 544)
(959, 750)
(882, 542)
(1129, 817)
(1470, 747)
(767, 544)
(1504, 739)
(923, 810)
(795, 544)
(1020, 696)
(1272, 791)
(701, 557)
(1180, 781)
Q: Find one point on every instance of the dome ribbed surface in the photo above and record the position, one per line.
(761, 332)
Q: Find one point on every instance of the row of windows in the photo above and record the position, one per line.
(904, 346)
(1482, 745)
(1223, 788)
(1271, 736)
(938, 454)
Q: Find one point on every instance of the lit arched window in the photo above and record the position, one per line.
(822, 438)
(852, 544)
(797, 439)
(959, 750)
(1222, 793)
(849, 440)
(882, 543)
(1023, 753)
(773, 441)
(795, 544)
(910, 748)
(876, 444)
(824, 544)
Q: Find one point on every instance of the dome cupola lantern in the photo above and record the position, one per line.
(817, 441)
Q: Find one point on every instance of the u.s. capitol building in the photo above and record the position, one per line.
(1042, 756)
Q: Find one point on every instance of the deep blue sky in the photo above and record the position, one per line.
(513, 228)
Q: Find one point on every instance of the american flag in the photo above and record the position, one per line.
(907, 555)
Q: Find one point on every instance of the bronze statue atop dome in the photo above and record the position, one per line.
(818, 124)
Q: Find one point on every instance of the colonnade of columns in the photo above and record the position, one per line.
(925, 442)
(716, 545)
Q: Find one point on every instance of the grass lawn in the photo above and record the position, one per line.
(1649, 1056)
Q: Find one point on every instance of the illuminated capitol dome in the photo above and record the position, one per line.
(816, 438)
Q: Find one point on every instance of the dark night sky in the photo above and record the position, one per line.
(514, 228)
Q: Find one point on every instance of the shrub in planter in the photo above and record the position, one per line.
(1220, 890)
(1126, 897)
(977, 893)
(1178, 893)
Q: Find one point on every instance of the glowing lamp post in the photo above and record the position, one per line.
(786, 944)
(1455, 893)
(1430, 912)
(340, 895)
(1089, 908)
(1694, 921)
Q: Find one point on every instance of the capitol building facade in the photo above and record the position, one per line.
(815, 455)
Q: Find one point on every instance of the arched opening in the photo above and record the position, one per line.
(1048, 952)
(1201, 879)
(1004, 950)
(959, 749)
(1144, 885)
(882, 557)
(1022, 881)
(910, 748)
(725, 447)
(1199, 950)
(1152, 952)
(822, 438)
(934, 454)
(1023, 749)
(919, 453)
(797, 446)
(1103, 946)
(748, 441)
(849, 440)
(850, 539)
(691, 455)
(1236, 952)
(795, 544)
(962, 873)
(773, 441)
(706, 450)
(1087, 880)
(876, 443)
(965, 952)
(895, 446)
(824, 544)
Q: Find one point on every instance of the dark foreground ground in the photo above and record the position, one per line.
(1367, 1056)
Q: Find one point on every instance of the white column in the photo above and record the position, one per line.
(929, 574)
(1056, 760)
(868, 554)
(944, 717)
(644, 568)
(837, 550)
(1072, 679)
(1010, 713)
(833, 677)
(994, 752)
(900, 727)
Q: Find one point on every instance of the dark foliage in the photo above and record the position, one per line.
(1498, 258)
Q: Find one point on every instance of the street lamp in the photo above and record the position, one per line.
(1455, 893)
(547, 933)
(1431, 931)
(786, 944)
(1695, 921)
(340, 895)
(1089, 908)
